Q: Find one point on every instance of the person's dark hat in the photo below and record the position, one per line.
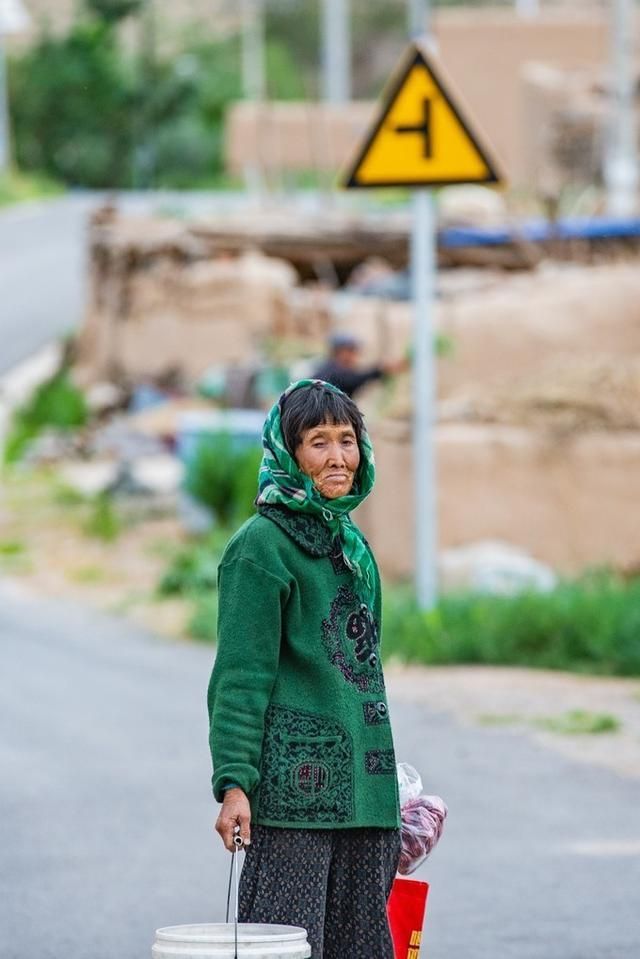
(344, 341)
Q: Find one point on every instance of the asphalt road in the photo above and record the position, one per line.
(106, 816)
(41, 274)
(43, 264)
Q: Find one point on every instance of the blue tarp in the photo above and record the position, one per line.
(540, 231)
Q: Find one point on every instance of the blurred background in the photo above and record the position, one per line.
(174, 250)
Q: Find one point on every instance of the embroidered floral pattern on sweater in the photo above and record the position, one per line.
(380, 761)
(306, 772)
(350, 637)
(309, 532)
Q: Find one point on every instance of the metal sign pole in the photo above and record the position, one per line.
(336, 51)
(254, 81)
(423, 269)
(417, 14)
(621, 157)
(4, 110)
(528, 9)
(253, 50)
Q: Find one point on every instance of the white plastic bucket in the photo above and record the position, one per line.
(216, 941)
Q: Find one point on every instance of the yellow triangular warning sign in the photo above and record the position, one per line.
(420, 137)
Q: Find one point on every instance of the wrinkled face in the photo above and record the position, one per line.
(330, 455)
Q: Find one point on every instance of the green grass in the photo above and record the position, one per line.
(10, 548)
(580, 722)
(19, 187)
(103, 522)
(66, 497)
(591, 625)
(87, 575)
(498, 719)
(573, 723)
(14, 557)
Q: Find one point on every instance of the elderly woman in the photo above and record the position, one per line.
(299, 724)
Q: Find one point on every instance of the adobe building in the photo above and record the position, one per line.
(285, 136)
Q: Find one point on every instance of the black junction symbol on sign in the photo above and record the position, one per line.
(424, 128)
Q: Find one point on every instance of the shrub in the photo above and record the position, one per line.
(203, 622)
(192, 570)
(90, 111)
(17, 187)
(591, 625)
(56, 403)
(71, 99)
(224, 479)
(192, 574)
(112, 11)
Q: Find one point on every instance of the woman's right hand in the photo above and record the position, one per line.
(236, 811)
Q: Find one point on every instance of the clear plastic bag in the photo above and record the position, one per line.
(422, 819)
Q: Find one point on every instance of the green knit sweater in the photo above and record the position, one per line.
(297, 707)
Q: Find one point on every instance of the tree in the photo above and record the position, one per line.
(71, 106)
(112, 11)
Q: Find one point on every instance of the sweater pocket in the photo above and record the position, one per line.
(306, 773)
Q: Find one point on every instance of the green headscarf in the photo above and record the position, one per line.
(281, 481)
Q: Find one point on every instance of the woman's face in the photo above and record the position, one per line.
(330, 455)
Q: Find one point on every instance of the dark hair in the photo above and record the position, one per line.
(313, 405)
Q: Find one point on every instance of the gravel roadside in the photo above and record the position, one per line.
(526, 699)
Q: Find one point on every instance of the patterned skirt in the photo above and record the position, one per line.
(333, 882)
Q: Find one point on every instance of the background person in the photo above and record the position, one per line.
(300, 736)
(341, 365)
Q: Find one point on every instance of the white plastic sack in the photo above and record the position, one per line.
(422, 819)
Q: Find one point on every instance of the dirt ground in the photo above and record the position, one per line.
(45, 544)
(526, 699)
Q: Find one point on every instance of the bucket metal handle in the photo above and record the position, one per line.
(238, 844)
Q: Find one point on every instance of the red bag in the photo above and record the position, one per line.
(406, 910)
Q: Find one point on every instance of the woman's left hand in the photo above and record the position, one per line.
(236, 811)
